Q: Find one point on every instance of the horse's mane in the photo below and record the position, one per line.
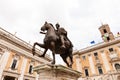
(52, 26)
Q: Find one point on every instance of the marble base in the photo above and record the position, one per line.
(56, 72)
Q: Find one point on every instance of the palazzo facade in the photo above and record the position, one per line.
(16, 59)
(100, 61)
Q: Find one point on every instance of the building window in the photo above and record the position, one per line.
(83, 57)
(86, 72)
(9, 78)
(100, 70)
(14, 64)
(15, 61)
(111, 49)
(104, 30)
(30, 69)
(108, 38)
(96, 54)
(117, 66)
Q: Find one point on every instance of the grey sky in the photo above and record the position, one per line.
(81, 18)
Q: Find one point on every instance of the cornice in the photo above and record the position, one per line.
(13, 40)
(98, 46)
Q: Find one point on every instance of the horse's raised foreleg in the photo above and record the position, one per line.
(41, 45)
(33, 49)
(43, 53)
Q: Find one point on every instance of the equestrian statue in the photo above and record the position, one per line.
(57, 41)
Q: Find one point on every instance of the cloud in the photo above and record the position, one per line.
(80, 18)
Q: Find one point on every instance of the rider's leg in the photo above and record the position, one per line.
(62, 41)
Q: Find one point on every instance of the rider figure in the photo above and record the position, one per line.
(63, 36)
(61, 32)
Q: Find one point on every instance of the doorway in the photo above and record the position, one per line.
(9, 78)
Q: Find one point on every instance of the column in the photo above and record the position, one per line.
(2, 78)
(105, 62)
(16, 79)
(3, 62)
(78, 63)
(37, 76)
(92, 66)
(23, 66)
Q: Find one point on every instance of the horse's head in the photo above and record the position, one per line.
(46, 26)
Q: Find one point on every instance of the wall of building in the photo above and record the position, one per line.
(102, 56)
(16, 59)
(105, 59)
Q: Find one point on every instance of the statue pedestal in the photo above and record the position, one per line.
(56, 72)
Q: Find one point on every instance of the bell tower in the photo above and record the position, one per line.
(106, 34)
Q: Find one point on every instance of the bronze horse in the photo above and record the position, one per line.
(52, 42)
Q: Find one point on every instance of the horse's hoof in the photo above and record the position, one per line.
(33, 52)
(41, 55)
